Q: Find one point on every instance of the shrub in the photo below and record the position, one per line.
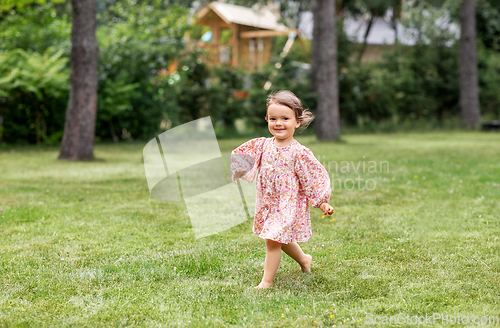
(33, 95)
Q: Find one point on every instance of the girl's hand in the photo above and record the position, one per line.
(327, 209)
(237, 175)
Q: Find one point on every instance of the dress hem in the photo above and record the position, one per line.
(282, 242)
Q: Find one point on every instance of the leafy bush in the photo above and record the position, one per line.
(37, 27)
(136, 42)
(409, 83)
(194, 90)
(33, 95)
(489, 82)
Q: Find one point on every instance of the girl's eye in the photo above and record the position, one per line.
(272, 119)
(286, 118)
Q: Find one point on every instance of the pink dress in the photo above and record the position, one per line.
(289, 178)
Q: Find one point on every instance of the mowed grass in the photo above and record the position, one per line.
(83, 244)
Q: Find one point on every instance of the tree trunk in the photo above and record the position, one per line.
(469, 90)
(365, 39)
(79, 129)
(112, 130)
(324, 70)
(314, 55)
(38, 122)
(396, 15)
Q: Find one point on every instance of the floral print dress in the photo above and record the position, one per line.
(289, 178)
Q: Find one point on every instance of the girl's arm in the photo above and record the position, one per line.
(314, 179)
(245, 160)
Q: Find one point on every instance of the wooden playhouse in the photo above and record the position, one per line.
(248, 34)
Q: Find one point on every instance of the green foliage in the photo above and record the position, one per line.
(225, 106)
(196, 91)
(33, 73)
(136, 41)
(430, 21)
(37, 28)
(34, 52)
(488, 23)
(115, 98)
(410, 83)
(33, 90)
(6, 5)
(489, 82)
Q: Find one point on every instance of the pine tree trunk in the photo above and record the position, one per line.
(469, 91)
(365, 39)
(314, 52)
(79, 129)
(324, 70)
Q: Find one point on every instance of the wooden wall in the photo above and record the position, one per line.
(249, 53)
(253, 52)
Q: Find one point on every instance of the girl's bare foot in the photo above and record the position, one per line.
(263, 285)
(307, 264)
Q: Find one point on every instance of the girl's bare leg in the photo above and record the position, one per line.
(273, 258)
(295, 252)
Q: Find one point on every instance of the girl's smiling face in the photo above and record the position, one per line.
(282, 123)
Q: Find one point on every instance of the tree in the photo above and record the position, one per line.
(376, 8)
(324, 81)
(79, 129)
(469, 91)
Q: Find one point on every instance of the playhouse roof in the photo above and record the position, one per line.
(256, 17)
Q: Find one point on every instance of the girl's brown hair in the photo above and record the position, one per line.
(290, 100)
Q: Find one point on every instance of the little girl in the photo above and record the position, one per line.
(289, 178)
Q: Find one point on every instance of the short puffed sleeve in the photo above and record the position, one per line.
(246, 158)
(313, 178)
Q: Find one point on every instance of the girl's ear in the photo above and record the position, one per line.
(298, 123)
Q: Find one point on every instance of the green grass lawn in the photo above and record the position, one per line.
(84, 244)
